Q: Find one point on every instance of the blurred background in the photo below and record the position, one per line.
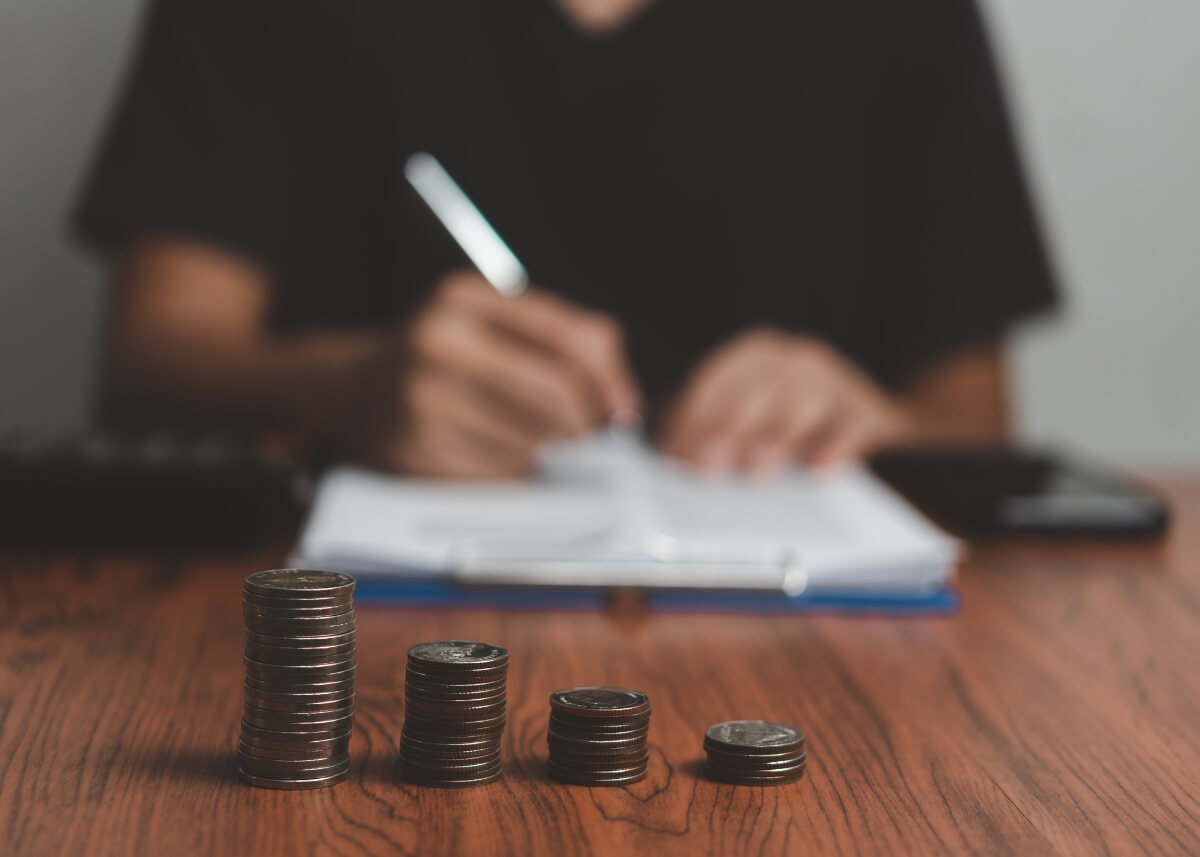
(1104, 97)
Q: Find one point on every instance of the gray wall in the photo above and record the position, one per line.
(1105, 93)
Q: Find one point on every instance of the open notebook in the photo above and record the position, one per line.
(607, 512)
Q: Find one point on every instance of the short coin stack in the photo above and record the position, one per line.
(454, 713)
(754, 753)
(597, 735)
(299, 703)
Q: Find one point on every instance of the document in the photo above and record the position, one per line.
(607, 511)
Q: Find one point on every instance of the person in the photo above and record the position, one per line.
(787, 230)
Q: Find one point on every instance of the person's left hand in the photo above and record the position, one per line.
(767, 398)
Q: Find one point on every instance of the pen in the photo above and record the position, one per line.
(479, 240)
(466, 224)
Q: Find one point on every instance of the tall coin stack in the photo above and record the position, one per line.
(299, 704)
(597, 735)
(755, 753)
(454, 713)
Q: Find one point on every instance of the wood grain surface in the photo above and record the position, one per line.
(1059, 713)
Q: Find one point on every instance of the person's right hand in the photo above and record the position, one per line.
(480, 380)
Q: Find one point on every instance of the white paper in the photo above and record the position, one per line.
(605, 511)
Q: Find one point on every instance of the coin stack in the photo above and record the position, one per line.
(454, 704)
(755, 753)
(299, 706)
(597, 735)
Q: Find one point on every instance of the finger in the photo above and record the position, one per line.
(718, 384)
(444, 399)
(701, 434)
(591, 342)
(807, 408)
(525, 378)
(594, 343)
(500, 429)
(843, 437)
(755, 421)
(451, 454)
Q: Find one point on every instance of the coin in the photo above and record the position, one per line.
(277, 720)
(312, 689)
(297, 656)
(753, 736)
(435, 694)
(292, 607)
(301, 637)
(418, 778)
(465, 681)
(447, 755)
(757, 761)
(455, 767)
(600, 701)
(298, 696)
(463, 743)
(298, 704)
(585, 761)
(599, 741)
(283, 768)
(454, 713)
(342, 668)
(335, 743)
(441, 726)
(297, 732)
(317, 626)
(761, 780)
(457, 654)
(597, 735)
(614, 724)
(304, 755)
(775, 768)
(299, 583)
(273, 783)
(754, 752)
(567, 775)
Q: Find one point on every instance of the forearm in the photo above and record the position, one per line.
(187, 347)
(299, 385)
(964, 399)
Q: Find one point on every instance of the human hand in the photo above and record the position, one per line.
(478, 381)
(767, 398)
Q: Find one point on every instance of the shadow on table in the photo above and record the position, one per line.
(694, 768)
(204, 765)
(389, 770)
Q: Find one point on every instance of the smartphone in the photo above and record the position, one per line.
(1015, 491)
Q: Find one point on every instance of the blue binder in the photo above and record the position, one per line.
(441, 593)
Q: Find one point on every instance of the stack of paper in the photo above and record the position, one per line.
(607, 512)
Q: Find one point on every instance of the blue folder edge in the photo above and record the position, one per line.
(439, 593)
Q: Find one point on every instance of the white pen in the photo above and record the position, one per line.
(466, 224)
(480, 241)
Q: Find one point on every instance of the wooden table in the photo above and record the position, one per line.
(1058, 714)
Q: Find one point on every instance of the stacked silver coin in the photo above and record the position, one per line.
(755, 753)
(454, 713)
(597, 735)
(299, 700)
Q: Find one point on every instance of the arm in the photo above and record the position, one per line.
(184, 348)
(469, 388)
(962, 397)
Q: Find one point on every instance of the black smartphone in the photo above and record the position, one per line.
(1009, 490)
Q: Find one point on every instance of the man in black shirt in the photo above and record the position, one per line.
(792, 229)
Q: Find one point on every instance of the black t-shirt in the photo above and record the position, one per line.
(842, 168)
